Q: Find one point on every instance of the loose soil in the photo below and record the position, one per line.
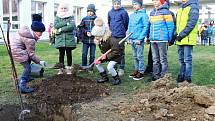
(72, 98)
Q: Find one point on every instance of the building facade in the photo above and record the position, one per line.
(20, 11)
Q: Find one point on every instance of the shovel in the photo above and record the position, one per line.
(92, 64)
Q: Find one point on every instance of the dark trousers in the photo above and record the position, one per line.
(68, 51)
(122, 51)
(149, 67)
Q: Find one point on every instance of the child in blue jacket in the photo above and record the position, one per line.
(138, 25)
(161, 33)
(118, 25)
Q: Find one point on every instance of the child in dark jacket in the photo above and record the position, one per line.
(105, 43)
(118, 25)
(86, 26)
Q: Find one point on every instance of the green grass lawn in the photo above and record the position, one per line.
(203, 68)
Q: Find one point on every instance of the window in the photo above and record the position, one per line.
(11, 11)
(37, 8)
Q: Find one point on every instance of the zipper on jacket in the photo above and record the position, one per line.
(180, 19)
(153, 26)
(160, 34)
(90, 29)
(189, 38)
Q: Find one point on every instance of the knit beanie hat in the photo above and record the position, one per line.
(99, 28)
(37, 24)
(140, 2)
(116, 1)
(162, 1)
(91, 7)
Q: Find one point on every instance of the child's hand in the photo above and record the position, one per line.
(129, 41)
(104, 56)
(97, 62)
(89, 34)
(138, 42)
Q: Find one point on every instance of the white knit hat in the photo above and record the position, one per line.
(99, 28)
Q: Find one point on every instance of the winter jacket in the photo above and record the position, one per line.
(65, 34)
(210, 30)
(187, 23)
(108, 43)
(138, 25)
(162, 25)
(23, 46)
(118, 22)
(86, 25)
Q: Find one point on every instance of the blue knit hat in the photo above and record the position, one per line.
(37, 24)
(91, 7)
(139, 2)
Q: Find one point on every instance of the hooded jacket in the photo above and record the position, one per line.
(23, 46)
(118, 22)
(187, 22)
(138, 25)
(85, 26)
(162, 25)
(65, 37)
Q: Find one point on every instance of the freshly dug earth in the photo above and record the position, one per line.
(55, 97)
(161, 101)
(71, 98)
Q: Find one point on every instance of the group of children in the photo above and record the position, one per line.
(160, 28)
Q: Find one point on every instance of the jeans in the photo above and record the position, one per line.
(185, 61)
(26, 72)
(138, 56)
(159, 56)
(85, 48)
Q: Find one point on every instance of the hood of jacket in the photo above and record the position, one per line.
(26, 32)
(141, 11)
(189, 2)
(164, 6)
(121, 8)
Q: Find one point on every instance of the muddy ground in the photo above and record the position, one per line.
(71, 98)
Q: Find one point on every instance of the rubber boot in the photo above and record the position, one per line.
(69, 70)
(104, 78)
(61, 71)
(23, 88)
(116, 80)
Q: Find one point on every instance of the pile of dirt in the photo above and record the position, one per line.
(164, 101)
(56, 98)
(161, 101)
(67, 89)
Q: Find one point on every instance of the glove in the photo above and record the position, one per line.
(178, 38)
(171, 43)
(43, 63)
(97, 62)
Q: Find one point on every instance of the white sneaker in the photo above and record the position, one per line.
(61, 71)
(69, 70)
(121, 72)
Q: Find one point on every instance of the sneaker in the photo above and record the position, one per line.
(139, 76)
(61, 71)
(121, 72)
(133, 74)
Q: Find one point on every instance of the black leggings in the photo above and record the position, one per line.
(68, 54)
